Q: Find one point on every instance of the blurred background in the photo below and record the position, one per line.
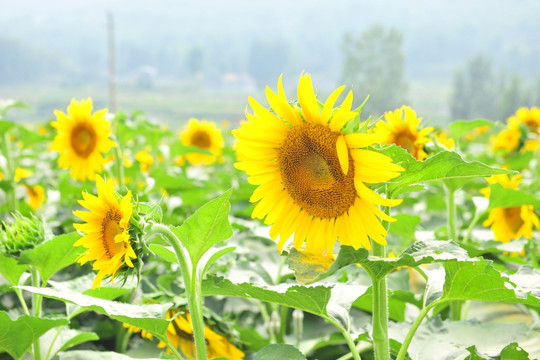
(178, 59)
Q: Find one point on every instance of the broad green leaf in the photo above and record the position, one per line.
(326, 301)
(514, 352)
(83, 285)
(504, 197)
(208, 226)
(62, 339)
(10, 269)
(405, 225)
(420, 252)
(445, 165)
(177, 148)
(16, 336)
(164, 252)
(96, 355)
(460, 127)
(280, 351)
(53, 255)
(397, 300)
(149, 317)
(211, 256)
(5, 126)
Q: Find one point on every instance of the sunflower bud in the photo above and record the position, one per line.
(21, 234)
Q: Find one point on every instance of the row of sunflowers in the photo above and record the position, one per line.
(394, 240)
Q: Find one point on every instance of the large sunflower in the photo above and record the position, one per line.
(82, 139)
(106, 228)
(402, 124)
(529, 117)
(312, 178)
(204, 135)
(512, 222)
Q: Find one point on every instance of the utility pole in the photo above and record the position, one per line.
(112, 63)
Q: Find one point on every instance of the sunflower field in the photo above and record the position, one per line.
(310, 230)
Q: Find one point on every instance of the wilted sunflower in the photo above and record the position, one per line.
(512, 222)
(311, 177)
(529, 117)
(36, 196)
(82, 139)
(106, 228)
(180, 334)
(403, 125)
(204, 135)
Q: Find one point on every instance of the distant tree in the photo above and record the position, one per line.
(475, 91)
(267, 59)
(375, 65)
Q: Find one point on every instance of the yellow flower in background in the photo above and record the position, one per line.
(444, 139)
(36, 196)
(82, 139)
(508, 139)
(512, 222)
(180, 334)
(21, 173)
(476, 132)
(530, 145)
(311, 178)
(529, 117)
(144, 159)
(106, 230)
(135, 330)
(204, 135)
(402, 124)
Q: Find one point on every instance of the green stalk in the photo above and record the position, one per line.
(21, 299)
(408, 338)
(348, 339)
(9, 173)
(192, 283)
(473, 223)
(36, 309)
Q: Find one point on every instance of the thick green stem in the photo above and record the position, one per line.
(408, 338)
(36, 309)
(9, 175)
(192, 283)
(348, 339)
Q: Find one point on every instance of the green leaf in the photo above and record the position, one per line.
(445, 165)
(329, 302)
(208, 226)
(149, 317)
(420, 252)
(83, 285)
(172, 182)
(17, 336)
(53, 255)
(281, 352)
(10, 269)
(512, 352)
(96, 355)
(6, 105)
(504, 197)
(63, 340)
(5, 126)
(460, 127)
(405, 226)
(212, 255)
(164, 252)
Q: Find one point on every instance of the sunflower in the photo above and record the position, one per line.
(311, 177)
(204, 135)
(36, 196)
(145, 159)
(508, 139)
(512, 222)
(82, 139)
(403, 124)
(106, 228)
(21, 173)
(180, 334)
(443, 138)
(529, 117)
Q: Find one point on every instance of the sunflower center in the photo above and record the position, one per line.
(201, 139)
(311, 173)
(111, 228)
(406, 141)
(83, 139)
(532, 125)
(513, 218)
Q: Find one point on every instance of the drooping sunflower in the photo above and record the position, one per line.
(204, 135)
(312, 178)
(106, 230)
(402, 124)
(36, 196)
(180, 334)
(529, 117)
(512, 222)
(82, 139)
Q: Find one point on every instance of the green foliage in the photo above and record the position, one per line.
(279, 351)
(96, 355)
(10, 269)
(505, 197)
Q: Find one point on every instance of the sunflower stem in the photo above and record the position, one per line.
(192, 283)
(22, 301)
(348, 339)
(9, 174)
(473, 223)
(36, 309)
(408, 338)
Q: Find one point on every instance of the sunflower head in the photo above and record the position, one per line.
(106, 231)
(206, 136)
(36, 195)
(311, 177)
(82, 139)
(144, 159)
(403, 127)
(508, 139)
(528, 117)
(21, 234)
(443, 138)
